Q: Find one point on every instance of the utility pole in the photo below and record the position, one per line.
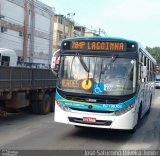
(1, 16)
(64, 25)
(102, 31)
(32, 31)
(70, 16)
(25, 38)
(99, 31)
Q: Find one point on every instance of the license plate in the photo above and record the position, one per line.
(89, 120)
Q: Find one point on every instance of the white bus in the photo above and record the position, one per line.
(104, 83)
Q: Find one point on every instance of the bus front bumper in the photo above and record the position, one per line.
(126, 121)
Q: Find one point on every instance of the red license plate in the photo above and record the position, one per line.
(88, 119)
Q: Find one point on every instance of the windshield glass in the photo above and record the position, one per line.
(97, 75)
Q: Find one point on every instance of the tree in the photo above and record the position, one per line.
(155, 52)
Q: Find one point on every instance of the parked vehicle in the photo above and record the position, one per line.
(25, 75)
(21, 87)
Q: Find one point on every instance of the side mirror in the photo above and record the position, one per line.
(53, 63)
(144, 71)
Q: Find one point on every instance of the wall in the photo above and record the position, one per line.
(29, 32)
(14, 24)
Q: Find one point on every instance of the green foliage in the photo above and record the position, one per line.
(155, 52)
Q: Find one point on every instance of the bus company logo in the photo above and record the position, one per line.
(90, 100)
(90, 107)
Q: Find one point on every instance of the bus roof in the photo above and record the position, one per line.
(99, 38)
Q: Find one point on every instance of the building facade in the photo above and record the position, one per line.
(63, 28)
(90, 34)
(27, 27)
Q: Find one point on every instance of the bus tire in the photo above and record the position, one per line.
(52, 96)
(139, 114)
(149, 109)
(44, 105)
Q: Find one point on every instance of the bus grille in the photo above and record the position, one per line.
(98, 122)
(88, 110)
(94, 100)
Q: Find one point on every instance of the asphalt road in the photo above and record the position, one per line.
(27, 131)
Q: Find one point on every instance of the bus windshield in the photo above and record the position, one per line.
(98, 75)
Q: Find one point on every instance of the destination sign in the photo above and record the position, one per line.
(70, 83)
(98, 45)
(158, 68)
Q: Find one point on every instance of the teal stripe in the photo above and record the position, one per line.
(95, 106)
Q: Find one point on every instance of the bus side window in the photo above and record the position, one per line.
(140, 64)
(145, 64)
(150, 71)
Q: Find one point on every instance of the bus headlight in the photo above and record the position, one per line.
(65, 108)
(122, 111)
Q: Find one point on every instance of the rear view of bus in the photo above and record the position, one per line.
(102, 83)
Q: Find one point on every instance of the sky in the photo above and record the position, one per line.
(131, 19)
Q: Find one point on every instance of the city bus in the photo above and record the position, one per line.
(104, 83)
(157, 76)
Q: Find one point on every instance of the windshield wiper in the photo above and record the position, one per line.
(110, 62)
(83, 63)
(100, 72)
(71, 65)
(87, 69)
(106, 67)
